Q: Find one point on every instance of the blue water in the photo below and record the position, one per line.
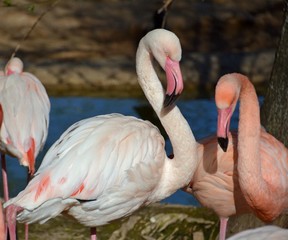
(201, 115)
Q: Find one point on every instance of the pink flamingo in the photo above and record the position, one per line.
(106, 167)
(262, 164)
(215, 182)
(24, 117)
(264, 233)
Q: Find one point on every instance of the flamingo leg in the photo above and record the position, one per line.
(26, 231)
(4, 177)
(2, 224)
(29, 177)
(5, 184)
(93, 233)
(223, 226)
(11, 212)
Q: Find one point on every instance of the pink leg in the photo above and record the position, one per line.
(93, 233)
(5, 184)
(4, 177)
(2, 224)
(26, 231)
(223, 226)
(11, 212)
(29, 177)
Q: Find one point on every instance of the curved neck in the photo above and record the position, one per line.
(179, 132)
(249, 161)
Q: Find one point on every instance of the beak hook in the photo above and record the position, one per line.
(223, 142)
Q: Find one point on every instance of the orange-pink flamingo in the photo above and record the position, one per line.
(106, 167)
(24, 117)
(262, 165)
(215, 183)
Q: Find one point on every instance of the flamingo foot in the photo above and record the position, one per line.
(223, 226)
(93, 233)
(11, 212)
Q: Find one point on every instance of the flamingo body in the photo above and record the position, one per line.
(215, 183)
(123, 170)
(24, 111)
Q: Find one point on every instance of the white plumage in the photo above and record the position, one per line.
(108, 157)
(25, 107)
(106, 167)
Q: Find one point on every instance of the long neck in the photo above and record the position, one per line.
(178, 171)
(249, 162)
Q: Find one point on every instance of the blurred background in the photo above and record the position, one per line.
(88, 47)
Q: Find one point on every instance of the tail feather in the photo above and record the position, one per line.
(46, 211)
(31, 157)
(93, 213)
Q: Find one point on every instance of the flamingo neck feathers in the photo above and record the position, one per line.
(178, 171)
(254, 187)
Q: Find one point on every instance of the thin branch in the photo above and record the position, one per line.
(33, 26)
(162, 12)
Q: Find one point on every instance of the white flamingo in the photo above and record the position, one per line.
(24, 118)
(106, 167)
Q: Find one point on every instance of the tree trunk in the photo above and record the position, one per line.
(274, 112)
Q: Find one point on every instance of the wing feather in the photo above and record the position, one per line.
(111, 160)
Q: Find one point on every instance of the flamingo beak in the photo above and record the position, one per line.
(174, 81)
(223, 125)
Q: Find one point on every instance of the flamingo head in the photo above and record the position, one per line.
(166, 49)
(226, 97)
(15, 65)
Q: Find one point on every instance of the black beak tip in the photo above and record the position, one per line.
(223, 142)
(170, 99)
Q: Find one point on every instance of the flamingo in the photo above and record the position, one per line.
(215, 183)
(24, 117)
(262, 164)
(105, 167)
(24, 114)
(264, 233)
